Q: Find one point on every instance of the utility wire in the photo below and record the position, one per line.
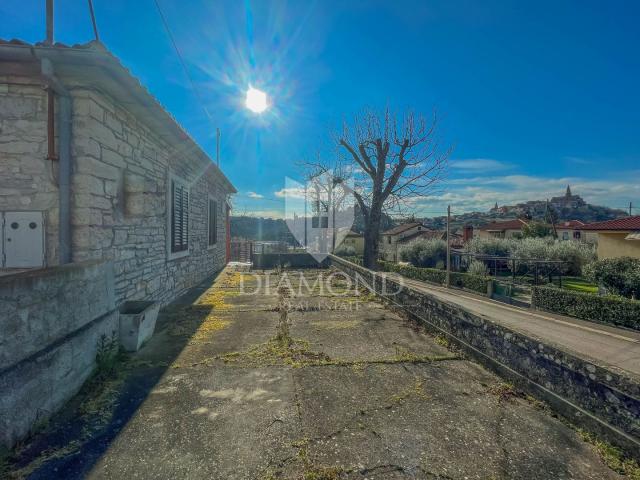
(182, 62)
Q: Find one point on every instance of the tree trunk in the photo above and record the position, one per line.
(371, 238)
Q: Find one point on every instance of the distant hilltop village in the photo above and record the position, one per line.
(567, 207)
(567, 201)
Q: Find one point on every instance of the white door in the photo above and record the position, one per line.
(23, 239)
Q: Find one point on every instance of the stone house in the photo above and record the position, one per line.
(103, 198)
(141, 193)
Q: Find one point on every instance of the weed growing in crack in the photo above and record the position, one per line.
(505, 391)
(107, 355)
(442, 341)
(416, 390)
(283, 335)
(294, 352)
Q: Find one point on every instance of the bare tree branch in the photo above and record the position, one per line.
(397, 160)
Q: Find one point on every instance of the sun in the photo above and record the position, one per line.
(256, 100)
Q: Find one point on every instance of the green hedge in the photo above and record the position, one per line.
(352, 258)
(612, 310)
(476, 283)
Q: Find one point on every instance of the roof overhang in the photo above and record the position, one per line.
(95, 68)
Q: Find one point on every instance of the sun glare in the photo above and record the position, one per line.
(256, 100)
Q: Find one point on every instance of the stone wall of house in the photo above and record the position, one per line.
(119, 189)
(600, 400)
(120, 198)
(28, 181)
(52, 321)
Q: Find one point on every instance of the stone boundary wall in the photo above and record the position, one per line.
(51, 322)
(600, 400)
(263, 261)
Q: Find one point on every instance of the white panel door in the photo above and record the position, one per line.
(23, 239)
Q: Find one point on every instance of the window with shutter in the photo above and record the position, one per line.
(179, 217)
(213, 222)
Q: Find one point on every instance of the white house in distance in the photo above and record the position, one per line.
(567, 230)
(506, 229)
(392, 239)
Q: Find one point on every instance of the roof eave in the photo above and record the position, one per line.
(152, 113)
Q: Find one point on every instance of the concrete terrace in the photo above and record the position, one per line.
(361, 393)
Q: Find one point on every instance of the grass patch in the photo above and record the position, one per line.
(442, 341)
(211, 324)
(197, 321)
(97, 400)
(612, 456)
(578, 284)
(505, 391)
(274, 352)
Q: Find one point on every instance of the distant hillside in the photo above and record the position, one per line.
(567, 207)
(272, 229)
(257, 228)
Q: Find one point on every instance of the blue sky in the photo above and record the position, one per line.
(532, 95)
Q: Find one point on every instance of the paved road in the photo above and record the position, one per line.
(606, 346)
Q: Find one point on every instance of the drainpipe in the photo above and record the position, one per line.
(64, 164)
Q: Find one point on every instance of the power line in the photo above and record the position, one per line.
(182, 62)
(93, 21)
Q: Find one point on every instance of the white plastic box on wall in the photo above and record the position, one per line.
(22, 243)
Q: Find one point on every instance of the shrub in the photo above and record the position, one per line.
(353, 259)
(477, 267)
(490, 246)
(576, 254)
(477, 283)
(619, 275)
(425, 253)
(463, 280)
(536, 230)
(345, 251)
(425, 274)
(612, 310)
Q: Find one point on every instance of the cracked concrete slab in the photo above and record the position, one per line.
(363, 395)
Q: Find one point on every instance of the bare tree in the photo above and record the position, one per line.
(391, 161)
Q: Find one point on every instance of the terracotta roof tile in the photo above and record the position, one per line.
(516, 224)
(625, 223)
(401, 228)
(571, 225)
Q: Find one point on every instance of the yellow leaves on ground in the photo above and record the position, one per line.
(211, 324)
